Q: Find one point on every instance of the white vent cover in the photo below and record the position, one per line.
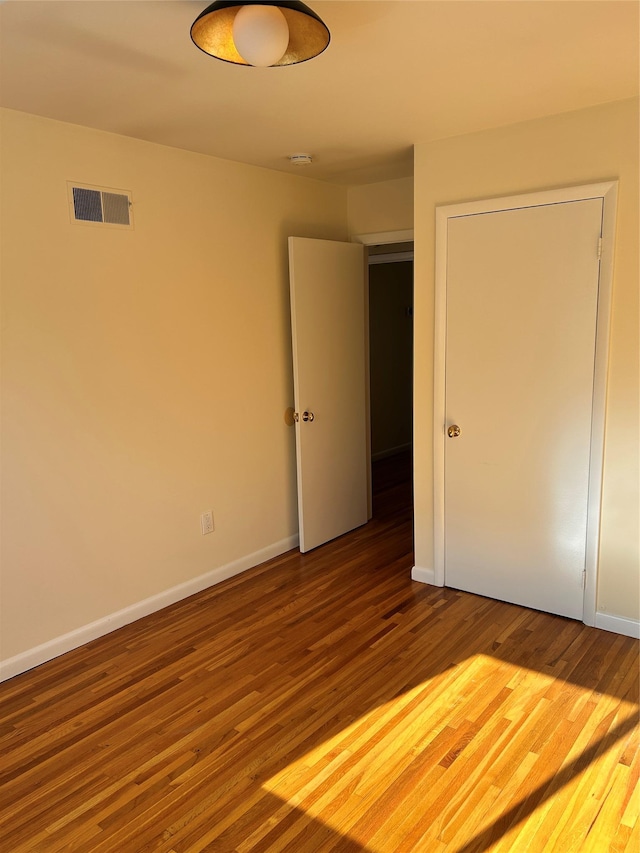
(100, 206)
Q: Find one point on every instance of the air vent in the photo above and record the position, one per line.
(100, 206)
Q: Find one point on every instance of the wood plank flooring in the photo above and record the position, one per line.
(325, 702)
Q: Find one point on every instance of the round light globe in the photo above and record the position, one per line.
(261, 34)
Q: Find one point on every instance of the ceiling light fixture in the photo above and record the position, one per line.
(260, 34)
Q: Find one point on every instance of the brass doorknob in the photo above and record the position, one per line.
(307, 417)
(453, 431)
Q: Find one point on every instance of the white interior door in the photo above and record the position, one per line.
(521, 310)
(327, 283)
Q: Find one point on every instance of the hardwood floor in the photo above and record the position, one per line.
(326, 702)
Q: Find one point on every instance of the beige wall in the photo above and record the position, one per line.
(386, 206)
(145, 372)
(574, 148)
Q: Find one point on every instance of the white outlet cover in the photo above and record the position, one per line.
(206, 522)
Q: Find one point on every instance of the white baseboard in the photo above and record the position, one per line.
(423, 575)
(618, 625)
(65, 643)
(391, 451)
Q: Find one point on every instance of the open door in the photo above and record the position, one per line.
(327, 283)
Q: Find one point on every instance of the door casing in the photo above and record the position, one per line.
(608, 192)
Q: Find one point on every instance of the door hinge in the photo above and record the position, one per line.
(584, 579)
(599, 248)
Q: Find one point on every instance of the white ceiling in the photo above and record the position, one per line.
(396, 72)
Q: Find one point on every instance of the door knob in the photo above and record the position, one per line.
(453, 431)
(307, 417)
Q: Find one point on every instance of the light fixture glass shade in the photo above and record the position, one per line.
(260, 34)
(213, 31)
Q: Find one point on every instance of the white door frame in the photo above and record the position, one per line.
(381, 238)
(607, 191)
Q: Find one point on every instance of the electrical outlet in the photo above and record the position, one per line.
(206, 522)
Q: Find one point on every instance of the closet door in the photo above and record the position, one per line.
(521, 311)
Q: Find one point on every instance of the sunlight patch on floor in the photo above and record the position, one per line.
(440, 761)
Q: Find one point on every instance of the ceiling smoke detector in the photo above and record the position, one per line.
(300, 159)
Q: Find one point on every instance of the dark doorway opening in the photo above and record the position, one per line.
(391, 376)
